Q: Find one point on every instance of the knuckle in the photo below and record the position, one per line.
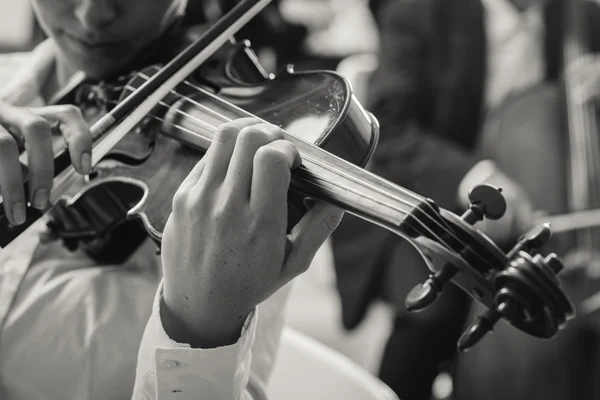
(221, 213)
(191, 203)
(229, 202)
(271, 156)
(278, 132)
(253, 134)
(290, 148)
(269, 153)
(35, 124)
(180, 201)
(226, 133)
(272, 131)
(71, 111)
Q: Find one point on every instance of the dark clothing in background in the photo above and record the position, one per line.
(428, 95)
(267, 29)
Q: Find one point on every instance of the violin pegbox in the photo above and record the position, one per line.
(520, 286)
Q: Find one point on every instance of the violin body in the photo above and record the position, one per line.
(138, 178)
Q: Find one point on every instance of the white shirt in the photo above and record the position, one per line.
(515, 49)
(332, 26)
(70, 329)
(171, 370)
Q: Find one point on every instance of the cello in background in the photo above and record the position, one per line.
(547, 140)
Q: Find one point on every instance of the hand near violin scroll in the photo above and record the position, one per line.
(31, 128)
(225, 247)
(519, 216)
(584, 75)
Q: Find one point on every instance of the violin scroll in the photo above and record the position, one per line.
(520, 286)
(529, 296)
(486, 202)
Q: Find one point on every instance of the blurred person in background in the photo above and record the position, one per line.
(335, 29)
(444, 64)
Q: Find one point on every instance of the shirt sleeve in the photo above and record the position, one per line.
(170, 370)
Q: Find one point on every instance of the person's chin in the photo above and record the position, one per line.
(98, 68)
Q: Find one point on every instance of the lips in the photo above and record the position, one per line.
(94, 44)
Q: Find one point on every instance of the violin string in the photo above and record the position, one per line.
(214, 113)
(201, 123)
(381, 191)
(216, 98)
(378, 178)
(196, 120)
(348, 176)
(202, 107)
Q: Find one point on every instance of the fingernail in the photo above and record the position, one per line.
(86, 163)
(19, 213)
(40, 200)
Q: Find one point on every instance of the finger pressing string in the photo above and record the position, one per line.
(219, 154)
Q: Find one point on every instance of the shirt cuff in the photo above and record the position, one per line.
(166, 367)
(477, 175)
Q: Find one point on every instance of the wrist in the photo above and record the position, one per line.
(185, 323)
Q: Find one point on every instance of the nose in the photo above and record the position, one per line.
(96, 15)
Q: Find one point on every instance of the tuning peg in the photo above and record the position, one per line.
(486, 201)
(425, 294)
(554, 263)
(534, 239)
(484, 324)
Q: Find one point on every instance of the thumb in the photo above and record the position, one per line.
(308, 236)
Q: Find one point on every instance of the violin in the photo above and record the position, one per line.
(165, 117)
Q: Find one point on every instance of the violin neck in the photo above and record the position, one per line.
(328, 178)
(331, 179)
